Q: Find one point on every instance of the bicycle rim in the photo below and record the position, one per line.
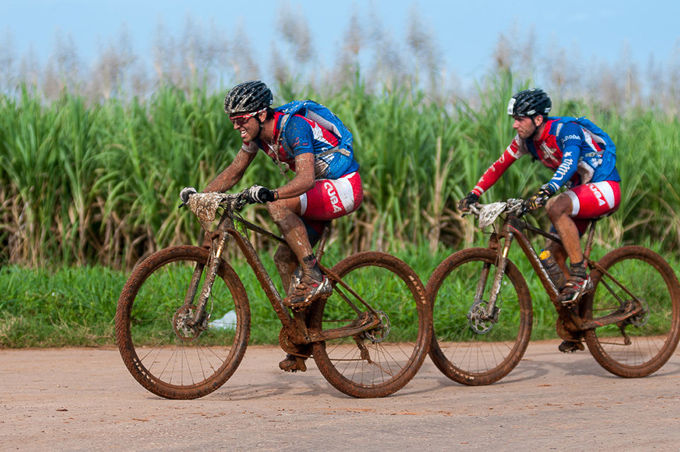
(379, 362)
(651, 338)
(161, 352)
(464, 347)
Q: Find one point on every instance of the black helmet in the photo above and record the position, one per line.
(247, 97)
(530, 102)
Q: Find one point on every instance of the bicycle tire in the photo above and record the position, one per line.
(164, 359)
(647, 275)
(396, 350)
(461, 350)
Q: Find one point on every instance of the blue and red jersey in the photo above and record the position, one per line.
(575, 153)
(302, 135)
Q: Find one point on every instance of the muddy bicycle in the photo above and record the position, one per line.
(368, 338)
(483, 312)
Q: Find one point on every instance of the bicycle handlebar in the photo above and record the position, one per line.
(205, 205)
(487, 213)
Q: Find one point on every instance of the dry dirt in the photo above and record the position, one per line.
(84, 399)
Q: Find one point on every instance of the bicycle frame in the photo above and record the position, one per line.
(294, 325)
(513, 228)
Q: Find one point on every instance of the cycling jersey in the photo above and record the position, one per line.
(302, 135)
(575, 153)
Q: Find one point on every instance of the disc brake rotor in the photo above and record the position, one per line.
(477, 318)
(180, 324)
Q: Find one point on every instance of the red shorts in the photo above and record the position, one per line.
(593, 200)
(332, 198)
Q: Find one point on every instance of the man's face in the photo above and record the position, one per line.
(247, 125)
(524, 126)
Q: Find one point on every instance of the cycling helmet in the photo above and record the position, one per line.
(530, 102)
(247, 97)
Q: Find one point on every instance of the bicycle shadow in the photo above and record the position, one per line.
(283, 386)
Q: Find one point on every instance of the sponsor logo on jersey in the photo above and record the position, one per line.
(562, 170)
(598, 195)
(333, 196)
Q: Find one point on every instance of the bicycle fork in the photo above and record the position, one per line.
(483, 315)
(491, 311)
(199, 319)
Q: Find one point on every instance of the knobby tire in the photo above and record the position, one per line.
(459, 351)
(655, 337)
(163, 358)
(391, 356)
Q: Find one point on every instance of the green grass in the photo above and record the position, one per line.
(88, 188)
(76, 306)
(98, 184)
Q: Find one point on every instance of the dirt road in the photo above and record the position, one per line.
(84, 399)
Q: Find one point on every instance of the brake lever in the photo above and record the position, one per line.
(473, 209)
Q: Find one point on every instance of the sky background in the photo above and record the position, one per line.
(466, 32)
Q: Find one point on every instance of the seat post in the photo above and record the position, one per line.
(589, 241)
(322, 241)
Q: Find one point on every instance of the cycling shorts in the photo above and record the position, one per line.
(593, 200)
(332, 198)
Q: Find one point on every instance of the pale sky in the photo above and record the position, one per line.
(465, 32)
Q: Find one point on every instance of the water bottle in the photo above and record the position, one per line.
(227, 322)
(553, 269)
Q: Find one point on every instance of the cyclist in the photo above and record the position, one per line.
(326, 185)
(584, 160)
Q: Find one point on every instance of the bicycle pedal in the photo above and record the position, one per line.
(293, 363)
(571, 346)
(571, 304)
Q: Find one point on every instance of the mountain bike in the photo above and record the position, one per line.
(483, 312)
(368, 338)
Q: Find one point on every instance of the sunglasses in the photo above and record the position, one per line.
(239, 120)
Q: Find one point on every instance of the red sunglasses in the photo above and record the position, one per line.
(239, 120)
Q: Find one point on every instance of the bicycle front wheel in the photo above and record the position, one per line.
(467, 347)
(380, 361)
(162, 352)
(640, 345)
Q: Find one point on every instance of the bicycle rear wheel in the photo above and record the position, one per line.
(466, 348)
(652, 336)
(162, 353)
(378, 362)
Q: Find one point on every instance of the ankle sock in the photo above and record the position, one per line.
(310, 264)
(578, 269)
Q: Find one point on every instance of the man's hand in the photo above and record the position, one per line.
(538, 200)
(465, 203)
(260, 194)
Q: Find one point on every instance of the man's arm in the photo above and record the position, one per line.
(304, 177)
(496, 170)
(233, 173)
